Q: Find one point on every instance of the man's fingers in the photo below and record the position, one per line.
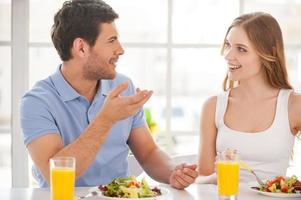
(179, 178)
(117, 90)
(176, 184)
(193, 167)
(190, 174)
(184, 175)
(147, 96)
(140, 98)
(135, 107)
(180, 166)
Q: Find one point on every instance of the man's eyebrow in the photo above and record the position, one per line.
(113, 38)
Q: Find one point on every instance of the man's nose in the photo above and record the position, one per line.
(120, 49)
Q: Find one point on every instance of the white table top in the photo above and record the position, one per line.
(193, 192)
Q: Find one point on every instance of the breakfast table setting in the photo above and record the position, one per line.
(193, 192)
(143, 187)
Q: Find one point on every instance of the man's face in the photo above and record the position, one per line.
(103, 56)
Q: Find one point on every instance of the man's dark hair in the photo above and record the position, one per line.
(79, 18)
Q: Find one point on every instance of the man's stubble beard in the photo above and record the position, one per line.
(94, 71)
(98, 74)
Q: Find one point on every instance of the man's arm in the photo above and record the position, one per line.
(85, 148)
(156, 163)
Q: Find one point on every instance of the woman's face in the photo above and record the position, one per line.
(242, 59)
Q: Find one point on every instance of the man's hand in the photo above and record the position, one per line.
(118, 107)
(183, 175)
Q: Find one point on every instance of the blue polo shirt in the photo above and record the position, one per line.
(53, 106)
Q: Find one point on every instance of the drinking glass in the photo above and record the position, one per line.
(62, 178)
(227, 174)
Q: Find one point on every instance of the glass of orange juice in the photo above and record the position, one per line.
(227, 174)
(62, 178)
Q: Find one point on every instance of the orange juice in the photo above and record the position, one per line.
(227, 177)
(62, 183)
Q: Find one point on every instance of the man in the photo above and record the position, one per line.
(87, 110)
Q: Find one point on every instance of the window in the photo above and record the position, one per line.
(141, 21)
(5, 20)
(5, 93)
(206, 21)
(5, 102)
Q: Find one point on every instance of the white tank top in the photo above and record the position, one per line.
(267, 152)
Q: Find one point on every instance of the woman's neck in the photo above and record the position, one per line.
(255, 89)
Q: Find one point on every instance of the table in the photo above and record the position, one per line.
(193, 192)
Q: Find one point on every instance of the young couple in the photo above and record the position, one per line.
(89, 111)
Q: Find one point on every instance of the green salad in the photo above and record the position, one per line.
(129, 188)
(281, 184)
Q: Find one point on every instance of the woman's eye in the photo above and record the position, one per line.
(227, 45)
(242, 49)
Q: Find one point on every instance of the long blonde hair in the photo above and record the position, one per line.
(265, 34)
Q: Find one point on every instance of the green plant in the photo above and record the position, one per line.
(151, 124)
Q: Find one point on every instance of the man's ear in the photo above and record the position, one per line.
(79, 47)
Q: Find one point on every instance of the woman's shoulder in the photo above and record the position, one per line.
(210, 102)
(294, 108)
(295, 97)
(294, 105)
(209, 107)
(208, 111)
(295, 100)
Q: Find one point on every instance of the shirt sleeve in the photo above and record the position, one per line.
(139, 119)
(36, 119)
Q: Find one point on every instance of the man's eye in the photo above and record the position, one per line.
(112, 40)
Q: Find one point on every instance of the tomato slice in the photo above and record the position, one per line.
(277, 179)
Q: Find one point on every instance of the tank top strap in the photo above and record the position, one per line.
(282, 107)
(221, 106)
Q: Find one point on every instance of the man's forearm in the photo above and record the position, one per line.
(86, 147)
(158, 165)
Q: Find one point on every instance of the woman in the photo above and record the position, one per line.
(258, 113)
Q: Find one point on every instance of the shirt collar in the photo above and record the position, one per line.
(105, 87)
(63, 87)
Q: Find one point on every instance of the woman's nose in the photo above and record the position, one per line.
(229, 55)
